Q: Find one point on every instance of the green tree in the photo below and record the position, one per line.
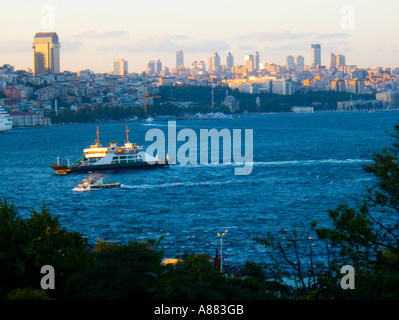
(196, 278)
(27, 245)
(122, 271)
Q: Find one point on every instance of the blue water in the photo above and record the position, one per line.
(304, 164)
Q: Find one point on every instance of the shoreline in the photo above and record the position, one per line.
(238, 115)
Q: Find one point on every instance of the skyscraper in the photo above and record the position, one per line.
(229, 61)
(300, 64)
(316, 55)
(256, 61)
(341, 60)
(333, 62)
(201, 65)
(216, 62)
(210, 64)
(249, 62)
(179, 59)
(291, 63)
(158, 66)
(120, 67)
(46, 53)
(150, 67)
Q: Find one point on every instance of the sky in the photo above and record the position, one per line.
(95, 33)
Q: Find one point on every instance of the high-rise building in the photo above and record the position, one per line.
(249, 57)
(333, 61)
(201, 65)
(210, 64)
(316, 55)
(150, 67)
(229, 61)
(179, 59)
(158, 67)
(249, 62)
(291, 63)
(120, 67)
(215, 62)
(46, 53)
(256, 61)
(300, 64)
(341, 60)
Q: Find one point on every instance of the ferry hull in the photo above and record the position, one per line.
(63, 169)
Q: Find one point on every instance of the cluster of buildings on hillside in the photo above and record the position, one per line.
(31, 95)
(253, 76)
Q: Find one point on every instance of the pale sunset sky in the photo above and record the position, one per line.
(94, 33)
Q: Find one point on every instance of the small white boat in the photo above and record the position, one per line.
(5, 120)
(91, 184)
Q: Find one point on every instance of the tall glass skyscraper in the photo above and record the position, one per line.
(46, 53)
(179, 59)
(256, 61)
(300, 64)
(333, 61)
(316, 55)
(229, 61)
(216, 62)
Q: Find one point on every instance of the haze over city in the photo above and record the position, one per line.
(95, 33)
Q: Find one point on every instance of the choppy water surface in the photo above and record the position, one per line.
(303, 165)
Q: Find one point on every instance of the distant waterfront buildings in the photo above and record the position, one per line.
(388, 98)
(120, 67)
(46, 53)
(301, 109)
(29, 119)
(316, 56)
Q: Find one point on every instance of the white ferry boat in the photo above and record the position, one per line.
(5, 120)
(97, 158)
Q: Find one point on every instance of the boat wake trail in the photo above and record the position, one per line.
(176, 184)
(312, 162)
(282, 163)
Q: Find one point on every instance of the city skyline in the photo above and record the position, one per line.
(93, 37)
